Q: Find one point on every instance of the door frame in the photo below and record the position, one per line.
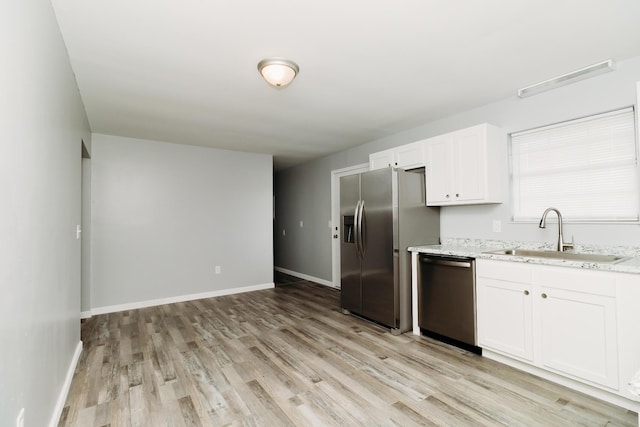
(85, 234)
(335, 216)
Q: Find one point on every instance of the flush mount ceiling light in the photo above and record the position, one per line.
(565, 79)
(278, 72)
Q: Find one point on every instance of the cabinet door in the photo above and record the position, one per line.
(410, 156)
(578, 334)
(470, 164)
(381, 159)
(505, 317)
(439, 170)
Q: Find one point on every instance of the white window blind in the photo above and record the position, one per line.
(587, 168)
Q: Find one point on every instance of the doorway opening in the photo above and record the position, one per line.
(85, 243)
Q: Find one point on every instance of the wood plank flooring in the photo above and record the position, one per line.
(288, 357)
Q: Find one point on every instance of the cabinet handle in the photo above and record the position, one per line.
(447, 196)
(526, 292)
(543, 296)
(457, 195)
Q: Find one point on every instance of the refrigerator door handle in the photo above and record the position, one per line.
(363, 231)
(356, 237)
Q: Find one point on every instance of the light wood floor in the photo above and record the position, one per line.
(287, 356)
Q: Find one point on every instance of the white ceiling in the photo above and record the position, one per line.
(184, 71)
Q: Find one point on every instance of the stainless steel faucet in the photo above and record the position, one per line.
(543, 224)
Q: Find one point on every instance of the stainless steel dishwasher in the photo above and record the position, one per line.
(447, 300)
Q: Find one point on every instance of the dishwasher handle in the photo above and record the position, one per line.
(446, 262)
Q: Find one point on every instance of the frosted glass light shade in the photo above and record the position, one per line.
(278, 72)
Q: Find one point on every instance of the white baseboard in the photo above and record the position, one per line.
(179, 298)
(596, 392)
(306, 277)
(62, 398)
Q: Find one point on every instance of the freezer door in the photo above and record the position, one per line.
(350, 295)
(378, 293)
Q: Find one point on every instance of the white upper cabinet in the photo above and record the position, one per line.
(409, 156)
(381, 159)
(466, 166)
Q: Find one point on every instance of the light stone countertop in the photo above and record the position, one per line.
(477, 248)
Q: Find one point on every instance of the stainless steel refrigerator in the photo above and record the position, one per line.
(383, 212)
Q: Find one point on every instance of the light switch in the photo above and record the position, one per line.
(300, 224)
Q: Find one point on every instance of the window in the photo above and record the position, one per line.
(587, 168)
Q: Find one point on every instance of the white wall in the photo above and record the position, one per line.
(164, 215)
(603, 93)
(42, 122)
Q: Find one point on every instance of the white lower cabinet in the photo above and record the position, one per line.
(578, 335)
(560, 320)
(505, 317)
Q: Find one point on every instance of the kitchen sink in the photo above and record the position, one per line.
(569, 256)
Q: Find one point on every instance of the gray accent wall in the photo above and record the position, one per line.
(42, 123)
(304, 192)
(164, 215)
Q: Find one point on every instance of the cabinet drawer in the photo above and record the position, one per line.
(572, 279)
(501, 270)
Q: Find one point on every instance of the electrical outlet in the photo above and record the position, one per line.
(217, 269)
(300, 224)
(497, 226)
(20, 419)
(284, 232)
